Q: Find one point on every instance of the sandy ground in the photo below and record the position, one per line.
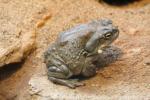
(127, 77)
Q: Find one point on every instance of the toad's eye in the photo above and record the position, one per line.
(107, 36)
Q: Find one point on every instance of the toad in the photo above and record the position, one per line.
(72, 52)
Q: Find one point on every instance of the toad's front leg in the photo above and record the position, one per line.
(89, 69)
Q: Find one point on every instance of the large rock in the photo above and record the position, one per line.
(126, 78)
(42, 89)
(17, 35)
(13, 49)
(110, 83)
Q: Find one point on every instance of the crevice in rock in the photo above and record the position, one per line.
(7, 70)
(119, 2)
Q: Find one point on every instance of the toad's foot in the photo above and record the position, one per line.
(71, 83)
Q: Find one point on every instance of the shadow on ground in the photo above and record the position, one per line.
(110, 55)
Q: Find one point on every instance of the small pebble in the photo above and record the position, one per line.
(147, 63)
(47, 16)
(40, 24)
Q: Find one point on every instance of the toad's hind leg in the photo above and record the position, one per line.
(61, 76)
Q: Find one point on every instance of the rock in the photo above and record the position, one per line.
(133, 31)
(147, 62)
(134, 52)
(16, 49)
(17, 37)
(2, 97)
(43, 89)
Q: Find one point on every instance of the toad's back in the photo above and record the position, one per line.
(69, 47)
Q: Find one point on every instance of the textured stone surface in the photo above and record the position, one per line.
(124, 78)
(16, 37)
(17, 50)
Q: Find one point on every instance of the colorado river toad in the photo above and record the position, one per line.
(72, 53)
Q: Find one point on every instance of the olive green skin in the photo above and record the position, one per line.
(72, 53)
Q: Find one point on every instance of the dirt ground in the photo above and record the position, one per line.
(127, 77)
